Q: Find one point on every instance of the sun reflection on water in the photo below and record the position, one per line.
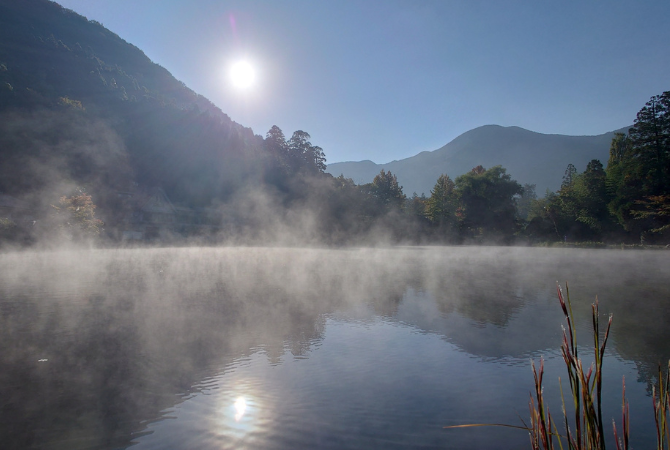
(239, 416)
(240, 408)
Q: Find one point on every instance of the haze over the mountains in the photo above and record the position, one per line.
(529, 157)
(93, 134)
(384, 80)
(79, 60)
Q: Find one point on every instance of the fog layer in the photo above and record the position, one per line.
(95, 343)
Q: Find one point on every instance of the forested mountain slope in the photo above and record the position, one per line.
(529, 157)
(89, 123)
(79, 105)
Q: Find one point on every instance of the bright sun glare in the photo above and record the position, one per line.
(240, 408)
(242, 75)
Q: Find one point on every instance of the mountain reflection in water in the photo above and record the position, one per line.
(309, 348)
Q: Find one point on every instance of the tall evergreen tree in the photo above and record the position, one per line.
(298, 149)
(387, 191)
(442, 205)
(592, 197)
(568, 177)
(619, 187)
(275, 144)
(305, 156)
(638, 171)
(650, 139)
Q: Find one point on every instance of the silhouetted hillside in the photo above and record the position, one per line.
(87, 119)
(81, 106)
(529, 157)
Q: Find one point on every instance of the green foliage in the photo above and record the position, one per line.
(387, 192)
(543, 218)
(166, 135)
(76, 216)
(295, 157)
(594, 198)
(8, 229)
(141, 127)
(618, 174)
(487, 202)
(277, 168)
(352, 210)
(275, 140)
(303, 156)
(291, 168)
(569, 176)
(298, 147)
(525, 201)
(650, 141)
(584, 201)
(656, 210)
(632, 193)
(442, 206)
(416, 205)
(638, 171)
(577, 212)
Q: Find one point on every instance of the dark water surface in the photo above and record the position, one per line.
(274, 348)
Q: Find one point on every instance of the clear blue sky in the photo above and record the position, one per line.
(386, 79)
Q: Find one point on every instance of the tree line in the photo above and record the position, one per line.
(628, 201)
(83, 112)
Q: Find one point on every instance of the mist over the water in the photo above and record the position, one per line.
(101, 347)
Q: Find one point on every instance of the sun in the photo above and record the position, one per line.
(242, 75)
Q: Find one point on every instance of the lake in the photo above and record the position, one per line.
(285, 348)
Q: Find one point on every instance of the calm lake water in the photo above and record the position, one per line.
(275, 348)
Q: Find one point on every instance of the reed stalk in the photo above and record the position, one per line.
(585, 385)
(540, 430)
(586, 390)
(661, 399)
(622, 442)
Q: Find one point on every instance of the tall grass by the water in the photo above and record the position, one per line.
(661, 400)
(585, 431)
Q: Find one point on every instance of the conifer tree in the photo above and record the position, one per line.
(387, 191)
(638, 171)
(442, 205)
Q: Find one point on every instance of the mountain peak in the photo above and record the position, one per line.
(528, 156)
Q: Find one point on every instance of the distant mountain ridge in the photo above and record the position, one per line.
(529, 157)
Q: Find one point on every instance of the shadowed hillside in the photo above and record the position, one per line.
(61, 74)
(97, 140)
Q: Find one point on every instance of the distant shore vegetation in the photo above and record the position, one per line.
(98, 144)
(293, 201)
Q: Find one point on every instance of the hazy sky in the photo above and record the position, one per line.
(384, 80)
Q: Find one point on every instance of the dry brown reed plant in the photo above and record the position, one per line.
(661, 398)
(586, 390)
